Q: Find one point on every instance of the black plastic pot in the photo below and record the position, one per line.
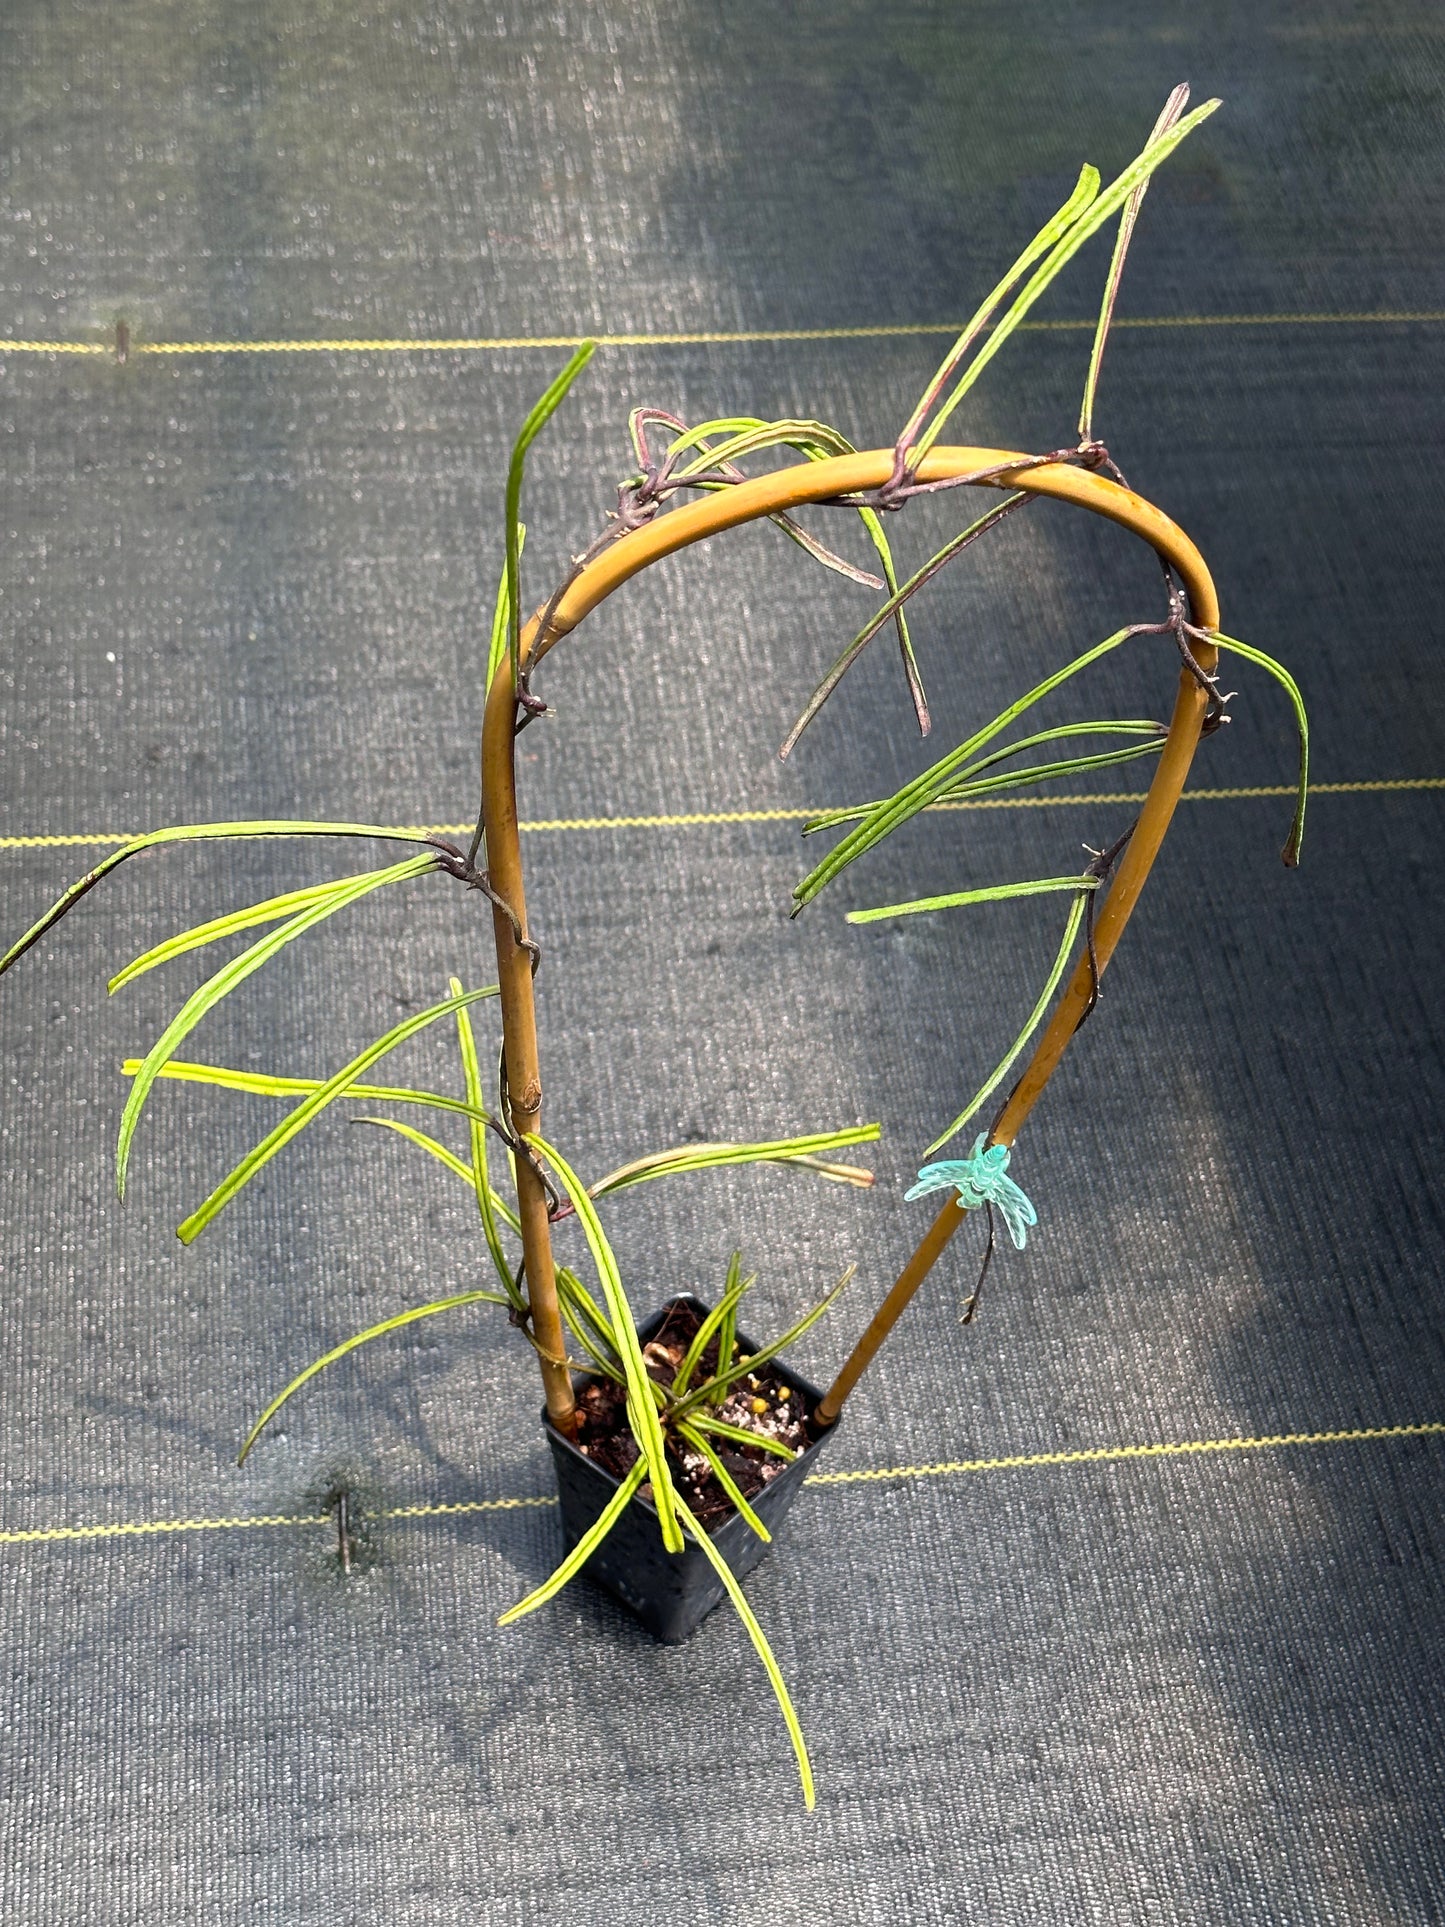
(670, 1592)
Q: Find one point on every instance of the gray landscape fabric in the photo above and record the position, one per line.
(1054, 1683)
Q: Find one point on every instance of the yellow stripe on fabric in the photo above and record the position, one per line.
(147, 1528)
(702, 338)
(1089, 1455)
(695, 819)
(1113, 1454)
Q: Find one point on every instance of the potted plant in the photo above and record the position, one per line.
(678, 1440)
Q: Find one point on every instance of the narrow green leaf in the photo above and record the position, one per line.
(1063, 251)
(760, 1645)
(195, 832)
(641, 1403)
(1001, 1071)
(710, 1422)
(422, 1141)
(820, 552)
(912, 674)
(236, 972)
(708, 1157)
(443, 1156)
(586, 1326)
(792, 529)
(583, 1550)
(312, 1106)
(716, 1391)
(725, 1479)
(958, 898)
(481, 1174)
(502, 612)
(728, 1373)
(271, 911)
(259, 1084)
(589, 1308)
(1173, 108)
(893, 606)
(1082, 194)
(363, 1338)
(753, 435)
(541, 413)
(1051, 772)
(857, 1175)
(734, 1288)
(966, 784)
(887, 816)
(1291, 851)
(816, 441)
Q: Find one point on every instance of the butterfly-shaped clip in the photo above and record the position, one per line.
(980, 1179)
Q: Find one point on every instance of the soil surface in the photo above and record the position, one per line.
(762, 1402)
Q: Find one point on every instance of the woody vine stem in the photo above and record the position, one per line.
(624, 552)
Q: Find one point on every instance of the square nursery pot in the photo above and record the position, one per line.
(670, 1592)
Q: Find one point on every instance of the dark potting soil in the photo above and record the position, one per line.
(762, 1403)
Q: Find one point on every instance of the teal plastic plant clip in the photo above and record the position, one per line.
(980, 1179)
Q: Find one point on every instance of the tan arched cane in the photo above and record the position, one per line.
(792, 488)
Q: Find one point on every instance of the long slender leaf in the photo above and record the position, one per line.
(641, 1403)
(312, 1106)
(541, 413)
(481, 1174)
(583, 1550)
(794, 530)
(585, 1328)
(1102, 726)
(698, 1441)
(1035, 1016)
(1291, 850)
(926, 788)
(271, 911)
(1082, 194)
(728, 1372)
(965, 785)
(727, 1344)
(1051, 772)
(502, 611)
(1063, 251)
(191, 833)
(363, 1338)
(956, 900)
(734, 1288)
(912, 674)
(589, 1307)
(893, 606)
(817, 441)
(1173, 108)
(443, 1156)
(423, 1142)
(857, 1175)
(710, 1422)
(708, 1157)
(261, 1084)
(760, 1645)
(231, 974)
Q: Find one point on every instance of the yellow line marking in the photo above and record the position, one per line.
(1111, 1454)
(693, 819)
(502, 344)
(146, 1528)
(441, 1511)
(1095, 1455)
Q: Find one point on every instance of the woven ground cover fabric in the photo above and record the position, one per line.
(1042, 1686)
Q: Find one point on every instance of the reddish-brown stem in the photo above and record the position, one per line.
(808, 482)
